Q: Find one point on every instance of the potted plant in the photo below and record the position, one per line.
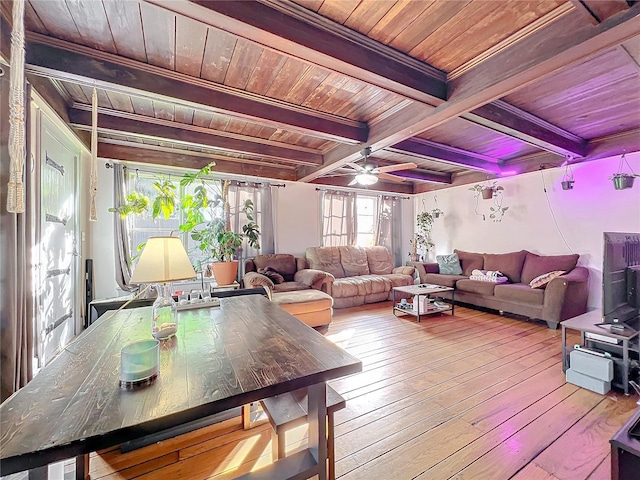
(567, 179)
(490, 191)
(436, 212)
(208, 224)
(622, 181)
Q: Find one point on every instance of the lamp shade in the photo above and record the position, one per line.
(366, 178)
(163, 259)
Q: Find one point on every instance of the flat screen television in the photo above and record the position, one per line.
(621, 277)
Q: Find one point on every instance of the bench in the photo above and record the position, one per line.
(289, 411)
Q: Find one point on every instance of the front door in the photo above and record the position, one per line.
(57, 290)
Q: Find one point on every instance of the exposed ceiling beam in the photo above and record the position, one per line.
(558, 45)
(447, 154)
(381, 186)
(149, 155)
(144, 126)
(292, 29)
(598, 148)
(289, 28)
(514, 122)
(597, 10)
(424, 176)
(65, 61)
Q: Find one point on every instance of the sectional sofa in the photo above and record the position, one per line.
(361, 274)
(563, 297)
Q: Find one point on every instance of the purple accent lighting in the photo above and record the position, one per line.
(508, 173)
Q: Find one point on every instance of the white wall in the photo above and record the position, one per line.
(102, 246)
(582, 215)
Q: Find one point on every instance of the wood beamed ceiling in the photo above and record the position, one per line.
(294, 90)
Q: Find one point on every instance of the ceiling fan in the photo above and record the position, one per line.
(368, 173)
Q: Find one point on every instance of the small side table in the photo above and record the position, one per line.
(214, 287)
(587, 323)
(625, 452)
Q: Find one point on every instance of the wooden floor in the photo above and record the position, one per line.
(475, 396)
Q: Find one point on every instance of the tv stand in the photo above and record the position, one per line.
(624, 344)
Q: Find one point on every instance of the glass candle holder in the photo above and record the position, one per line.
(164, 314)
(139, 362)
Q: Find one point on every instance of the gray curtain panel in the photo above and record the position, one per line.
(121, 239)
(389, 226)
(261, 196)
(16, 300)
(338, 214)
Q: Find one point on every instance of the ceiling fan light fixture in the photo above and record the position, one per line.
(366, 178)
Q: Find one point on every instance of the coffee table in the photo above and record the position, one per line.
(427, 290)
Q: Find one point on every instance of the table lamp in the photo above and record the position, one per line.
(162, 261)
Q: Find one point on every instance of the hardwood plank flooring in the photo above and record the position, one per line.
(476, 395)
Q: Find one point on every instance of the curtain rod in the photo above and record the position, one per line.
(348, 192)
(108, 165)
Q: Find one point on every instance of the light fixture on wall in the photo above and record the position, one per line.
(162, 261)
(366, 178)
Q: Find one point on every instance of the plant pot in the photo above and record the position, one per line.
(436, 215)
(568, 184)
(414, 257)
(623, 182)
(487, 193)
(225, 273)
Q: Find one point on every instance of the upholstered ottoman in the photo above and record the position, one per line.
(312, 307)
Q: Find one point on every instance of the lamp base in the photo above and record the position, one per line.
(164, 319)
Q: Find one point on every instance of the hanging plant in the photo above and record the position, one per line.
(622, 180)
(424, 224)
(567, 179)
(436, 212)
(490, 191)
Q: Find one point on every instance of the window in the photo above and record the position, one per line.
(366, 219)
(142, 227)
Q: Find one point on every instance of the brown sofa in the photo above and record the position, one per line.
(562, 298)
(362, 274)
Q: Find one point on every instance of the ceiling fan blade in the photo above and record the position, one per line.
(356, 167)
(352, 182)
(393, 178)
(395, 168)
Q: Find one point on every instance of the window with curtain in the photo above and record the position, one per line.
(138, 228)
(364, 220)
(339, 222)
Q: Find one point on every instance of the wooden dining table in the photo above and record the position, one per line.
(221, 358)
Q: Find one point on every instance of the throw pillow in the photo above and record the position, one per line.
(542, 280)
(272, 275)
(449, 264)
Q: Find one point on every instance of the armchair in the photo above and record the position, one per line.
(285, 273)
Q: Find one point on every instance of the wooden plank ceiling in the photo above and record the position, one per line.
(294, 90)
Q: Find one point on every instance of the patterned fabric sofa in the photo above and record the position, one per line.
(563, 297)
(362, 274)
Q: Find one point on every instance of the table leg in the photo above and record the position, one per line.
(564, 348)
(317, 417)
(40, 473)
(82, 467)
(393, 306)
(453, 303)
(625, 366)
